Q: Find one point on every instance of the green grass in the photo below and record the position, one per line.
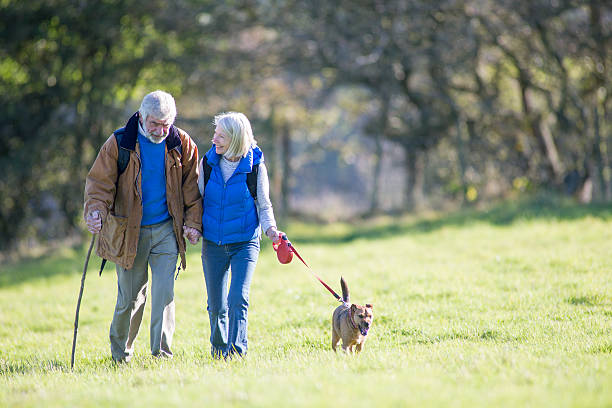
(507, 307)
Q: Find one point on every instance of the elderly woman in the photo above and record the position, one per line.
(234, 185)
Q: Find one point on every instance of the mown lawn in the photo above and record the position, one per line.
(506, 307)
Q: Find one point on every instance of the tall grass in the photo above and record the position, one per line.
(506, 307)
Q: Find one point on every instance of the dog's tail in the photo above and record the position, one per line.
(345, 292)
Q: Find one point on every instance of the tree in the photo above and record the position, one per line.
(68, 71)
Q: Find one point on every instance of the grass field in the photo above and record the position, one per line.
(506, 307)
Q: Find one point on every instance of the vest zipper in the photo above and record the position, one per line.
(222, 210)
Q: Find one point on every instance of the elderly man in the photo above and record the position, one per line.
(142, 196)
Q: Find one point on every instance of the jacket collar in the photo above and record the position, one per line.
(246, 163)
(131, 135)
(254, 156)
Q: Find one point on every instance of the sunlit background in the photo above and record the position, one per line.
(361, 107)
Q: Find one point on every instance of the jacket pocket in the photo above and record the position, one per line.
(174, 191)
(112, 235)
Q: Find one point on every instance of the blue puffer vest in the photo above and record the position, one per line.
(230, 214)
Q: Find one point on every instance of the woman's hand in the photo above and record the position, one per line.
(192, 234)
(274, 234)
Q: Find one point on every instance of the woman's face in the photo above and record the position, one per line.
(221, 141)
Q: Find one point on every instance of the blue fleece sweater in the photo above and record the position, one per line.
(153, 159)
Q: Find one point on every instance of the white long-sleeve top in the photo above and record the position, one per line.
(263, 203)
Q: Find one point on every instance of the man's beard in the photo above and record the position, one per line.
(153, 137)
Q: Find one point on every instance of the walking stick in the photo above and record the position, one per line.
(76, 317)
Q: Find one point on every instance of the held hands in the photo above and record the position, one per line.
(192, 234)
(94, 225)
(94, 222)
(274, 234)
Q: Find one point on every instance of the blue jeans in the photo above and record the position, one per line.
(227, 310)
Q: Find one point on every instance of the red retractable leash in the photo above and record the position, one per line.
(285, 250)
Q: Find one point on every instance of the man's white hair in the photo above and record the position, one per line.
(238, 128)
(158, 104)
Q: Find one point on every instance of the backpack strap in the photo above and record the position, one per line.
(251, 178)
(252, 181)
(175, 134)
(179, 147)
(124, 155)
(207, 169)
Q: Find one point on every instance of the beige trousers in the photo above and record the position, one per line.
(158, 249)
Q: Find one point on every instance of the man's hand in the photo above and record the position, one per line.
(274, 234)
(192, 234)
(94, 222)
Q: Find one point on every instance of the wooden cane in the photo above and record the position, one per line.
(76, 317)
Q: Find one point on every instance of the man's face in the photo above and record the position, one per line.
(157, 129)
(221, 141)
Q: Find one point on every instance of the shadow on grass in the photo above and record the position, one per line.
(545, 206)
(8, 368)
(47, 366)
(540, 207)
(69, 261)
(417, 336)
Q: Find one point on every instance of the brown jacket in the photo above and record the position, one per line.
(120, 201)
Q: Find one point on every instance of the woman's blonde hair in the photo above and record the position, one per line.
(238, 128)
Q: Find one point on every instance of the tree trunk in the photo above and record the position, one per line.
(409, 169)
(286, 170)
(607, 136)
(376, 175)
(552, 153)
(601, 191)
(419, 179)
(415, 178)
(378, 153)
(542, 135)
(461, 161)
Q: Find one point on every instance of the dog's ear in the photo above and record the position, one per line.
(353, 308)
(369, 306)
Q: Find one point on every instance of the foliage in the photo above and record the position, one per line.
(69, 76)
(76, 64)
(479, 96)
(493, 79)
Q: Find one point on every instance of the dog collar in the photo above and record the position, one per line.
(351, 320)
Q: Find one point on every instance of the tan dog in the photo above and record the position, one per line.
(350, 323)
